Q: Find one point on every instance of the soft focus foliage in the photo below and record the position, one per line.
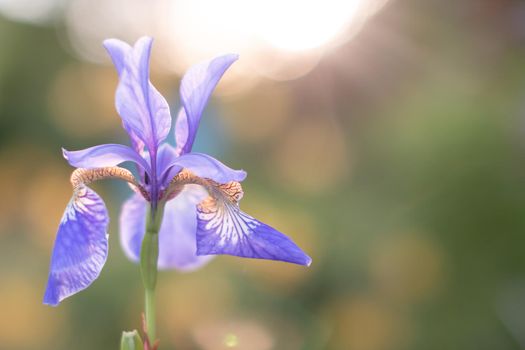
(396, 161)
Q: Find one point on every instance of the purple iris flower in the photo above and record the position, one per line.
(198, 193)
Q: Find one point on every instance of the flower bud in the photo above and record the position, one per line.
(131, 341)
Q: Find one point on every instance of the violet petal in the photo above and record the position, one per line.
(195, 89)
(207, 167)
(225, 229)
(103, 156)
(177, 236)
(81, 247)
(142, 108)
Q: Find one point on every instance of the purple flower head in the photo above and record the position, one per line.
(200, 195)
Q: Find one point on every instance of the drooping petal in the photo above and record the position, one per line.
(143, 109)
(81, 246)
(222, 228)
(207, 167)
(177, 236)
(195, 89)
(104, 156)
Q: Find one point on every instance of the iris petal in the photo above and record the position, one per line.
(207, 167)
(195, 89)
(165, 157)
(119, 50)
(177, 236)
(104, 156)
(178, 232)
(181, 131)
(144, 111)
(224, 229)
(81, 246)
(133, 225)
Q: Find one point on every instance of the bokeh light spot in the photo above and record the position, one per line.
(231, 340)
(233, 334)
(31, 11)
(276, 39)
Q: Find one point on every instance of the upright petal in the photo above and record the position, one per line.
(195, 89)
(119, 51)
(177, 236)
(224, 229)
(165, 169)
(207, 167)
(181, 131)
(165, 157)
(104, 156)
(144, 111)
(136, 142)
(81, 246)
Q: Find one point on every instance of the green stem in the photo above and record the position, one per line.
(149, 311)
(148, 265)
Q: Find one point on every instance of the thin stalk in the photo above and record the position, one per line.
(149, 312)
(148, 266)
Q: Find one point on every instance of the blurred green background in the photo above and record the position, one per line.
(391, 148)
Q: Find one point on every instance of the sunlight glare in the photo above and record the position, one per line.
(301, 25)
(276, 40)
